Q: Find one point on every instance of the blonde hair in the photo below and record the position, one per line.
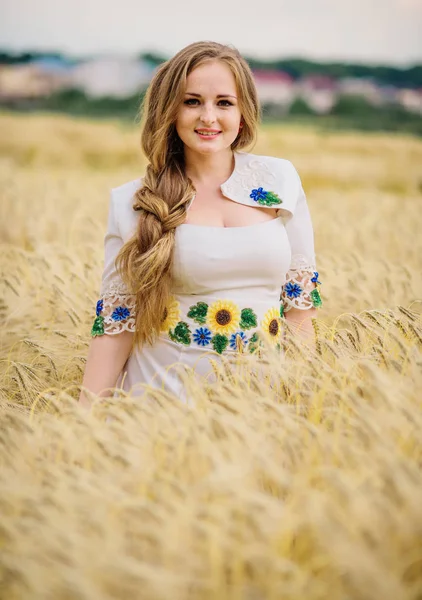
(145, 261)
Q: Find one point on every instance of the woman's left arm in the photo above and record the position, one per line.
(300, 292)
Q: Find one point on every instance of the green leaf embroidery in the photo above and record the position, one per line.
(219, 343)
(254, 342)
(316, 298)
(198, 312)
(270, 199)
(181, 333)
(281, 310)
(98, 326)
(248, 319)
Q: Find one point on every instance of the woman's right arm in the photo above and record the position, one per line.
(114, 325)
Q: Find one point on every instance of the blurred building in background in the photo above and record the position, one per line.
(319, 92)
(110, 76)
(275, 87)
(29, 81)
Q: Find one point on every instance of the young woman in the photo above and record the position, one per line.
(213, 247)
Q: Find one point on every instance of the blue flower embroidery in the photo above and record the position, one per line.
(120, 313)
(99, 308)
(259, 194)
(293, 290)
(233, 337)
(202, 336)
(265, 198)
(314, 279)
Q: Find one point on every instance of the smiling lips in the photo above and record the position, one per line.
(207, 133)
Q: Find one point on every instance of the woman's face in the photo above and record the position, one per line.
(209, 116)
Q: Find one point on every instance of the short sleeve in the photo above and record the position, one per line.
(301, 288)
(115, 308)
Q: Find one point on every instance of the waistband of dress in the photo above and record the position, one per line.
(222, 325)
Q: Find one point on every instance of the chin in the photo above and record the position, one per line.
(209, 148)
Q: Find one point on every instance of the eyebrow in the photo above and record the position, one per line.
(219, 95)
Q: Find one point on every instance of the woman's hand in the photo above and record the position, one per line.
(301, 322)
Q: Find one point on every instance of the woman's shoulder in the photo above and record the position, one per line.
(126, 191)
(122, 198)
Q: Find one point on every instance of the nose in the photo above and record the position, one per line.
(208, 114)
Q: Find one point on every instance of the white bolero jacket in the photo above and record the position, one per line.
(263, 181)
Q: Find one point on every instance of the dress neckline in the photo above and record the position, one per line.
(231, 176)
(260, 224)
(236, 165)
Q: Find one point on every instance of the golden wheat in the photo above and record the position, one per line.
(293, 477)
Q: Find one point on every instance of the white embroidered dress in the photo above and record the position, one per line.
(232, 285)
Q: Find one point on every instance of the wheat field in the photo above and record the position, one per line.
(300, 480)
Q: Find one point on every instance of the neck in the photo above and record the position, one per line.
(209, 169)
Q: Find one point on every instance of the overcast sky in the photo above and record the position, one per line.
(376, 31)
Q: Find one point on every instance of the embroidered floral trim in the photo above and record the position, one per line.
(219, 343)
(223, 317)
(255, 343)
(181, 333)
(271, 325)
(238, 340)
(202, 336)
(314, 279)
(248, 319)
(198, 312)
(316, 298)
(171, 315)
(265, 198)
(221, 326)
(301, 287)
(115, 311)
(120, 313)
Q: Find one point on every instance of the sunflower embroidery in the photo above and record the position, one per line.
(171, 315)
(271, 324)
(223, 317)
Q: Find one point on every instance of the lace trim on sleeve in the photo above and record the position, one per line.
(115, 311)
(301, 288)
